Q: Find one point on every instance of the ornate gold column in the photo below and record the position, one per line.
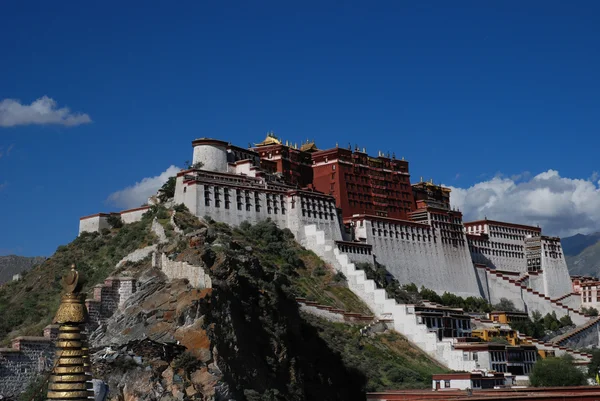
(69, 381)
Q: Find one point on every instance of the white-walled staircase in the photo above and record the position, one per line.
(405, 321)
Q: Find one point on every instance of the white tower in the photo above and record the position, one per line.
(212, 153)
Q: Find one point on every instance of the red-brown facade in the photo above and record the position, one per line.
(363, 184)
(295, 165)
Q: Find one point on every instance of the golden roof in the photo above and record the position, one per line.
(271, 139)
(309, 147)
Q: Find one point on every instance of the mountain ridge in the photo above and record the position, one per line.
(14, 264)
(582, 254)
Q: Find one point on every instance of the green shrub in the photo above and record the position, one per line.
(36, 390)
(505, 305)
(114, 220)
(559, 372)
(167, 191)
(319, 271)
(591, 311)
(339, 277)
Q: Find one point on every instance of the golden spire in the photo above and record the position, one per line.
(69, 381)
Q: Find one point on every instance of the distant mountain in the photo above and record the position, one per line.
(13, 264)
(582, 253)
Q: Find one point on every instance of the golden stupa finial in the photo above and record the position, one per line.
(69, 380)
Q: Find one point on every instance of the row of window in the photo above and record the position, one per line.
(391, 182)
(358, 250)
(553, 255)
(448, 226)
(318, 215)
(511, 230)
(497, 245)
(498, 356)
(400, 234)
(398, 227)
(316, 204)
(436, 322)
(499, 367)
(446, 218)
(495, 252)
(552, 247)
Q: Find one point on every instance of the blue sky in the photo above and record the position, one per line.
(497, 99)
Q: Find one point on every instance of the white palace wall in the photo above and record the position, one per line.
(94, 223)
(557, 281)
(233, 203)
(414, 255)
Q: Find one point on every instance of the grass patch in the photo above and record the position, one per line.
(311, 278)
(388, 360)
(28, 305)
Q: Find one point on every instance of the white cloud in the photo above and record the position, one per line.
(42, 111)
(561, 206)
(137, 194)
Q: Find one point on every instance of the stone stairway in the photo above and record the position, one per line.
(537, 297)
(559, 350)
(405, 321)
(577, 331)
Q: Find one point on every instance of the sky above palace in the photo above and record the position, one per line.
(99, 101)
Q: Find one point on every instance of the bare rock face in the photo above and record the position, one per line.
(156, 348)
(243, 339)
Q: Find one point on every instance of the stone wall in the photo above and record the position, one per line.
(94, 223)
(333, 314)
(584, 336)
(572, 300)
(109, 297)
(27, 358)
(413, 254)
(536, 281)
(527, 299)
(557, 281)
(182, 270)
(98, 222)
(138, 255)
(133, 215)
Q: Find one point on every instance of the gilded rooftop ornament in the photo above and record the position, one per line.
(69, 380)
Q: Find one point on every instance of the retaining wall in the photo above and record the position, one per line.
(182, 270)
(109, 297)
(27, 358)
(417, 255)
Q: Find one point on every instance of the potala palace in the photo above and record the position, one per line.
(349, 207)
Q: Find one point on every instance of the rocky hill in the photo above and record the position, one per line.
(13, 264)
(245, 338)
(583, 254)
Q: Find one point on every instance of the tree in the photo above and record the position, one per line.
(167, 191)
(566, 321)
(594, 366)
(556, 372)
(589, 311)
(430, 295)
(505, 305)
(114, 220)
(551, 322)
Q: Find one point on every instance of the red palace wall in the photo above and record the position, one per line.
(293, 164)
(362, 184)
